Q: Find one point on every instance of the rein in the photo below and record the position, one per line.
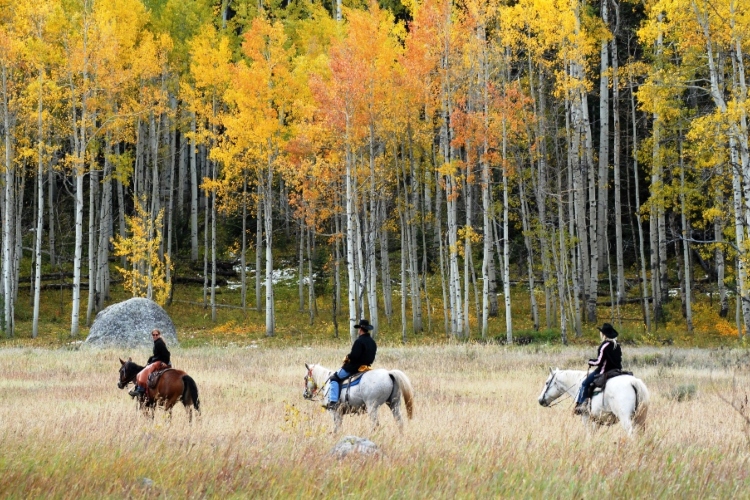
(566, 393)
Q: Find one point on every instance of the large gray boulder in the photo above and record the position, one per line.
(129, 324)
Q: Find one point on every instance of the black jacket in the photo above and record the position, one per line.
(161, 353)
(363, 353)
(609, 357)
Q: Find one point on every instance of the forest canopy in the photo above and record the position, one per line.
(444, 154)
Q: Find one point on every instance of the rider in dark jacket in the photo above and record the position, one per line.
(161, 353)
(609, 357)
(362, 354)
(159, 360)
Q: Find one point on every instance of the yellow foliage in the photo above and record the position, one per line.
(147, 274)
(469, 232)
(706, 321)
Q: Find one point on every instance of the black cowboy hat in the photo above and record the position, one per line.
(608, 331)
(363, 323)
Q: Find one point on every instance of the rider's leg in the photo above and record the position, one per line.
(333, 393)
(142, 379)
(584, 390)
(583, 393)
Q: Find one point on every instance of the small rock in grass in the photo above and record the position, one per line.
(354, 444)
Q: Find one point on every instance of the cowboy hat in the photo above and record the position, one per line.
(608, 331)
(363, 323)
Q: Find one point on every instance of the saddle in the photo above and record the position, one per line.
(350, 381)
(600, 382)
(153, 378)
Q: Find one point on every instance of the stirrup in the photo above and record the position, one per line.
(333, 405)
(137, 391)
(581, 408)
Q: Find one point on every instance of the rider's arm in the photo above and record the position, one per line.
(600, 356)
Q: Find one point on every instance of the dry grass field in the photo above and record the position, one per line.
(66, 431)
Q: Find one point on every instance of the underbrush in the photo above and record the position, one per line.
(235, 325)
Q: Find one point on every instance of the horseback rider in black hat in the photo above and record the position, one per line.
(609, 357)
(362, 354)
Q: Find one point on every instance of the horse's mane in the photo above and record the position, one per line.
(320, 372)
(133, 366)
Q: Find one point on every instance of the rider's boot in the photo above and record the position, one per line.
(137, 391)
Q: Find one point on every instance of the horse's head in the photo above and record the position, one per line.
(311, 387)
(552, 389)
(128, 371)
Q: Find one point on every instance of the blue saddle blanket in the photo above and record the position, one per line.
(352, 381)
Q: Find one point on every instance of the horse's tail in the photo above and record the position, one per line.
(641, 402)
(404, 384)
(190, 392)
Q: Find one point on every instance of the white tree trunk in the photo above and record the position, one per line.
(685, 244)
(644, 281)
(529, 254)
(300, 267)
(268, 212)
(603, 177)
(193, 195)
(8, 214)
(506, 244)
(93, 240)
(40, 210)
(259, 245)
(350, 243)
(214, 214)
(243, 254)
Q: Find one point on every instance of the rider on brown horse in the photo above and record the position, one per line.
(159, 361)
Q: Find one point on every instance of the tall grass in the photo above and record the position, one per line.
(66, 431)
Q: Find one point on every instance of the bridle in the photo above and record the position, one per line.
(313, 393)
(123, 371)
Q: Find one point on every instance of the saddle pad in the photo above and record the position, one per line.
(353, 380)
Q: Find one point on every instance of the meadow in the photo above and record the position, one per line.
(66, 431)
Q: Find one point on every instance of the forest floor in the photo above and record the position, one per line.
(66, 431)
(296, 327)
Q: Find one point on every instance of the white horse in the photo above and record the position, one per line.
(625, 398)
(375, 388)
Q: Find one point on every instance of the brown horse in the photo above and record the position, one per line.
(173, 385)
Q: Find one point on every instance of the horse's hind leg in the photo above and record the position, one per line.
(169, 405)
(396, 410)
(372, 410)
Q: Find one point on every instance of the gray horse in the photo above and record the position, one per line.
(375, 388)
